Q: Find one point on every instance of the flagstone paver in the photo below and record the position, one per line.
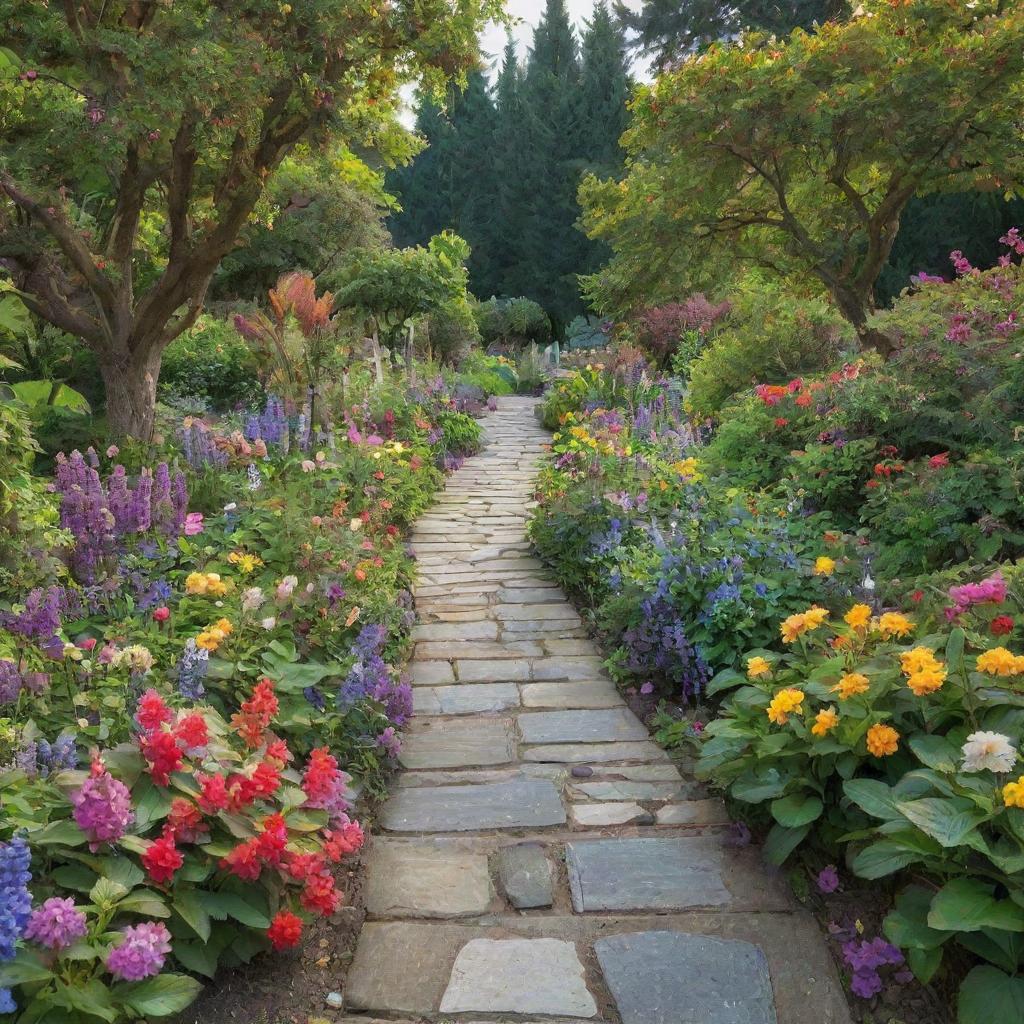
(541, 858)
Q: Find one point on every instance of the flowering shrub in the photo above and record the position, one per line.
(903, 744)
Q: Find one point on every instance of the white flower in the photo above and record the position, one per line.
(135, 658)
(868, 583)
(286, 587)
(988, 751)
(231, 507)
(252, 598)
(269, 623)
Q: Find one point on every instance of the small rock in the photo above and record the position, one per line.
(582, 771)
(525, 875)
(335, 1000)
(646, 819)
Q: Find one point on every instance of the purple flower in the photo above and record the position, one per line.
(866, 984)
(15, 903)
(141, 952)
(389, 740)
(102, 809)
(870, 954)
(57, 924)
(828, 879)
(10, 681)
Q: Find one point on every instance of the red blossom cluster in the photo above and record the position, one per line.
(256, 714)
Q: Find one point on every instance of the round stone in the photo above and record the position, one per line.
(582, 771)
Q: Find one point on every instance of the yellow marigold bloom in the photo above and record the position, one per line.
(851, 684)
(858, 616)
(758, 666)
(1000, 662)
(791, 628)
(824, 722)
(894, 624)
(882, 740)
(927, 680)
(224, 625)
(920, 659)
(785, 703)
(215, 586)
(207, 641)
(815, 616)
(824, 566)
(195, 583)
(841, 643)
(1013, 793)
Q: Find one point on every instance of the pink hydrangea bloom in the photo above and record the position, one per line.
(141, 953)
(57, 924)
(193, 524)
(988, 591)
(102, 808)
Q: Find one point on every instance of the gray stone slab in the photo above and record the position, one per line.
(519, 976)
(589, 726)
(525, 875)
(604, 815)
(477, 649)
(479, 630)
(571, 695)
(464, 699)
(568, 667)
(457, 743)
(676, 978)
(478, 670)
(520, 803)
(646, 874)
(425, 879)
(578, 753)
(431, 673)
(628, 790)
(694, 812)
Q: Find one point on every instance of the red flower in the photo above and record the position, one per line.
(244, 861)
(872, 484)
(279, 753)
(257, 713)
(301, 866)
(320, 895)
(1001, 625)
(266, 780)
(343, 841)
(88, 644)
(161, 751)
(939, 461)
(781, 421)
(192, 734)
(152, 712)
(270, 843)
(185, 821)
(804, 399)
(162, 858)
(285, 930)
(215, 793)
(320, 779)
(161, 614)
(917, 596)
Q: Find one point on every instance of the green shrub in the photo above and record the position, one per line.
(210, 365)
(451, 332)
(461, 433)
(506, 323)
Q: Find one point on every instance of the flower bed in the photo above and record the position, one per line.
(200, 672)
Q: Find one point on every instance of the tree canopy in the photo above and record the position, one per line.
(801, 155)
(138, 138)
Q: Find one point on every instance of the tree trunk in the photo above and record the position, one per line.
(410, 367)
(856, 308)
(378, 366)
(131, 394)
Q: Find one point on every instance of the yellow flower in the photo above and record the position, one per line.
(783, 704)
(825, 721)
(858, 616)
(246, 562)
(882, 740)
(894, 624)
(207, 641)
(927, 681)
(824, 566)
(1013, 793)
(224, 625)
(195, 583)
(1000, 662)
(920, 659)
(758, 666)
(215, 586)
(851, 684)
(687, 468)
(815, 616)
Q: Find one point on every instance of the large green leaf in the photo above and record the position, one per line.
(781, 842)
(988, 996)
(227, 904)
(24, 968)
(58, 833)
(48, 392)
(906, 925)
(160, 996)
(872, 796)
(948, 821)
(727, 679)
(968, 904)
(935, 752)
(882, 858)
(753, 789)
(797, 809)
(1003, 949)
(189, 907)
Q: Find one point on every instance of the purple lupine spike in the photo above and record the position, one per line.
(179, 499)
(119, 499)
(142, 510)
(160, 503)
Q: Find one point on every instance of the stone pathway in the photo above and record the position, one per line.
(541, 859)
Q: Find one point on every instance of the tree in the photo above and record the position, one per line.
(668, 30)
(139, 137)
(801, 156)
(392, 286)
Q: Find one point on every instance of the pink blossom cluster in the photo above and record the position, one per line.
(988, 591)
(57, 924)
(141, 951)
(102, 807)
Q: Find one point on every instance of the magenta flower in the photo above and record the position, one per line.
(141, 952)
(828, 879)
(102, 809)
(57, 924)
(193, 524)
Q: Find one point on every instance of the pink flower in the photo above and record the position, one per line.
(161, 614)
(88, 644)
(102, 808)
(939, 461)
(961, 264)
(57, 924)
(141, 952)
(193, 524)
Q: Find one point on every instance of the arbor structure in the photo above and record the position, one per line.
(138, 138)
(802, 155)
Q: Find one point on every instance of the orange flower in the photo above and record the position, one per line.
(824, 722)
(850, 685)
(882, 740)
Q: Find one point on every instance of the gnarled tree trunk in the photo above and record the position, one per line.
(131, 393)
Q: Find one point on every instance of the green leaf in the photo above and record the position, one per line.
(48, 392)
(872, 796)
(955, 649)
(198, 957)
(967, 905)
(947, 821)
(58, 833)
(160, 996)
(935, 752)
(189, 907)
(146, 903)
(1003, 949)
(228, 904)
(988, 995)
(23, 969)
(754, 790)
(797, 809)
(781, 842)
(123, 871)
(924, 963)
(105, 893)
(727, 679)
(75, 876)
(882, 858)
(906, 925)
(92, 998)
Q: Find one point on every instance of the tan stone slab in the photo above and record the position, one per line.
(601, 694)
(603, 815)
(693, 812)
(476, 670)
(583, 753)
(457, 743)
